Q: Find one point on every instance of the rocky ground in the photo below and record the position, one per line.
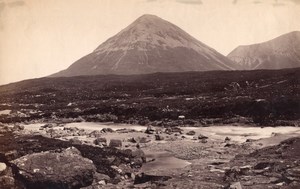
(56, 156)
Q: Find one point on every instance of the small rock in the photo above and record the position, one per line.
(191, 133)
(115, 143)
(149, 130)
(200, 136)
(18, 127)
(107, 130)
(75, 141)
(7, 182)
(102, 182)
(236, 185)
(227, 139)
(132, 140)
(2, 167)
(159, 137)
(95, 134)
(250, 140)
(10, 155)
(101, 177)
(144, 140)
(100, 141)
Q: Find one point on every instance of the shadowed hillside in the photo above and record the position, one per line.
(266, 97)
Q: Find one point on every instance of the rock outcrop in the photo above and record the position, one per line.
(65, 169)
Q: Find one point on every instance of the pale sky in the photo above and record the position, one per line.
(41, 37)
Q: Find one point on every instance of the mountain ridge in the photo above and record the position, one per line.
(278, 53)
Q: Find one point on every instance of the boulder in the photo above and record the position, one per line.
(140, 154)
(132, 140)
(100, 141)
(95, 134)
(10, 155)
(107, 130)
(149, 130)
(171, 130)
(115, 143)
(200, 137)
(2, 167)
(67, 169)
(159, 137)
(75, 141)
(236, 185)
(191, 133)
(293, 174)
(7, 182)
(18, 127)
(48, 125)
(144, 140)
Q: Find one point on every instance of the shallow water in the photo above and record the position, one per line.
(236, 133)
(163, 161)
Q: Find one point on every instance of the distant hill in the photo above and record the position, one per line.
(281, 52)
(149, 45)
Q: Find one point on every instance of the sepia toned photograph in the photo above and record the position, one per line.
(147, 94)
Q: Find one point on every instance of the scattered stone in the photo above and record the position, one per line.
(18, 127)
(144, 140)
(140, 154)
(115, 143)
(250, 140)
(293, 174)
(81, 132)
(2, 167)
(75, 141)
(142, 178)
(200, 136)
(100, 141)
(95, 134)
(171, 130)
(236, 185)
(132, 140)
(159, 137)
(124, 130)
(48, 125)
(107, 130)
(149, 130)
(101, 177)
(7, 182)
(10, 155)
(66, 169)
(191, 133)
(181, 117)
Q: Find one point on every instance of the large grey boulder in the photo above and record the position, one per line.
(60, 170)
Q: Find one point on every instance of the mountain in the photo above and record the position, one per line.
(281, 52)
(148, 45)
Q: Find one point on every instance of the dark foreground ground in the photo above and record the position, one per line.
(261, 97)
(33, 161)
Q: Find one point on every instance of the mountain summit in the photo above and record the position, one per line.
(281, 52)
(148, 45)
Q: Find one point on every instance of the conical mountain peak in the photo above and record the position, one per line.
(148, 45)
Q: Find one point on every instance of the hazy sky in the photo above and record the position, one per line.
(41, 37)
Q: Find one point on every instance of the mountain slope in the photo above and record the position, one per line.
(148, 45)
(281, 52)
